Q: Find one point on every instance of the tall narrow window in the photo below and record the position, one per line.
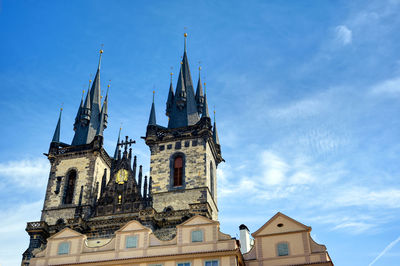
(212, 180)
(178, 171)
(70, 187)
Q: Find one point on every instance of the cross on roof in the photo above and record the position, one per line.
(126, 143)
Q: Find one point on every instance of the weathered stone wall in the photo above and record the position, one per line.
(197, 158)
(90, 169)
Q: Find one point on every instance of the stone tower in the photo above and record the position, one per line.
(77, 170)
(184, 155)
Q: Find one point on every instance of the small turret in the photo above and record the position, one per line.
(170, 100)
(117, 146)
(215, 132)
(204, 112)
(152, 118)
(199, 95)
(78, 114)
(56, 135)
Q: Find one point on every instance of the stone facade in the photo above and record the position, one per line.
(196, 188)
(89, 165)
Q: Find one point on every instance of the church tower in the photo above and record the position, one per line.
(77, 169)
(184, 155)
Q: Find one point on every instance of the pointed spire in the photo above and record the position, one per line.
(117, 147)
(145, 187)
(215, 132)
(199, 95)
(134, 166)
(170, 100)
(150, 186)
(140, 180)
(95, 91)
(78, 114)
(56, 136)
(204, 112)
(152, 118)
(104, 109)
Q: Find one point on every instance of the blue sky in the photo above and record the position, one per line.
(307, 99)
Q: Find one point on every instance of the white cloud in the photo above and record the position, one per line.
(26, 173)
(343, 34)
(274, 169)
(363, 196)
(300, 109)
(390, 87)
(14, 238)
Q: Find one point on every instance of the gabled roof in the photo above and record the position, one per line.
(133, 226)
(197, 220)
(66, 233)
(273, 226)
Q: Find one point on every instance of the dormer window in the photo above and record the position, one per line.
(63, 248)
(197, 236)
(178, 171)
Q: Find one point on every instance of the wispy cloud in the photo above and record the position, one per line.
(343, 35)
(29, 172)
(389, 87)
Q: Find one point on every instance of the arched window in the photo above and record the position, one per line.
(212, 179)
(70, 187)
(178, 171)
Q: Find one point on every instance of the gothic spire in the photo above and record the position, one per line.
(170, 100)
(215, 132)
(117, 147)
(56, 136)
(78, 114)
(184, 110)
(199, 95)
(103, 116)
(204, 112)
(95, 101)
(152, 118)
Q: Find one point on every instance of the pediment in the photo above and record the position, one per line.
(133, 226)
(66, 233)
(198, 220)
(279, 224)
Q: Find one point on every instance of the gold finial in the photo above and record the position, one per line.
(181, 62)
(185, 35)
(108, 86)
(101, 49)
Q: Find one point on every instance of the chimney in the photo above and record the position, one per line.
(244, 239)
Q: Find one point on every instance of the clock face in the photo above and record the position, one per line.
(121, 176)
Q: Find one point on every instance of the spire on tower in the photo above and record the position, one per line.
(199, 95)
(152, 118)
(204, 112)
(56, 136)
(170, 100)
(215, 132)
(184, 109)
(117, 147)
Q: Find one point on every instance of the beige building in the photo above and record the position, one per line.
(99, 211)
(284, 241)
(198, 242)
(280, 241)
